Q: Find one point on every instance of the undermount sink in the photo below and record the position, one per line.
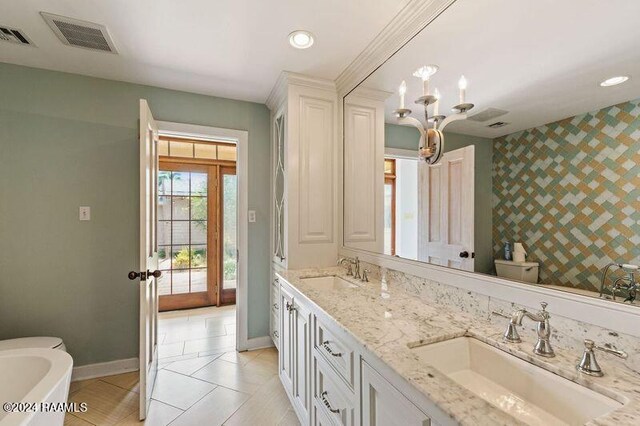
(328, 282)
(526, 392)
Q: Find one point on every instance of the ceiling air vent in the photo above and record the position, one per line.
(74, 32)
(497, 124)
(14, 36)
(487, 114)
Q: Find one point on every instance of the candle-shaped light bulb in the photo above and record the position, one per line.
(402, 90)
(462, 85)
(436, 105)
(425, 72)
(425, 85)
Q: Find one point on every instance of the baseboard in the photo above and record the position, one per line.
(100, 369)
(259, 343)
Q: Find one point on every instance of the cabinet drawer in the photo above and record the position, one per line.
(332, 396)
(320, 417)
(335, 351)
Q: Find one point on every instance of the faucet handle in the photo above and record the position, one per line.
(511, 333)
(588, 363)
(501, 314)
(590, 344)
(544, 311)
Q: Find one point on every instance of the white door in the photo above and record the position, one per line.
(148, 256)
(445, 210)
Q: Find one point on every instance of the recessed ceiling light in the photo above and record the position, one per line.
(614, 80)
(301, 39)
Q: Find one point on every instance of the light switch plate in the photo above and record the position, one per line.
(85, 213)
(252, 216)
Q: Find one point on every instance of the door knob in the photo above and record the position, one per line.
(133, 275)
(464, 254)
(144, 275)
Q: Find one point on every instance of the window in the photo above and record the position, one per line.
(197, 149)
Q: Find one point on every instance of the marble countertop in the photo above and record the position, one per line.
(387, 321)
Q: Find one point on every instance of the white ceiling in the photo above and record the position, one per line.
(234, 48)
(541, 60)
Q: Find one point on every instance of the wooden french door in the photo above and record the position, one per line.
(192, 208)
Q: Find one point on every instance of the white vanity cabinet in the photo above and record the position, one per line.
(325, 372)
(295, 353)
(383, 404)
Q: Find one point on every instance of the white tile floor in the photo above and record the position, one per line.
(201, 381)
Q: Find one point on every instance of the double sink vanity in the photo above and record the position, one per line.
(356, 351)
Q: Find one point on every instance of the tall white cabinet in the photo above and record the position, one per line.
(304, 125)
(364, 169)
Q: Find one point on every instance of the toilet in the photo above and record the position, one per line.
(520, 271)
(33, 342)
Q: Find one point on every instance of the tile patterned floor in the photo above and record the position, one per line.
(201, 381)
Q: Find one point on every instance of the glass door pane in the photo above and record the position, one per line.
(182, 232)
(229, 230)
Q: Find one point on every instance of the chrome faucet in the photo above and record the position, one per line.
(356, 268)
(348, 262)
(588, 364)
(353, 266)
(628, 283)
(542, 346)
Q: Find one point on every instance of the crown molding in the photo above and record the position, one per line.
(365, 92)
(416, 15)
(286, 78)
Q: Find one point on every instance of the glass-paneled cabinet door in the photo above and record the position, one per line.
(279, 189)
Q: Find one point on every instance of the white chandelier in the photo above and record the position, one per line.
(431, 144)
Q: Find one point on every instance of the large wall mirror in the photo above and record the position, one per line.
(504, 139)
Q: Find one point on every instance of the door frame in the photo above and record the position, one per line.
(241, 139)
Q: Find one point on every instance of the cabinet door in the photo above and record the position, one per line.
(302, 345)
(287, 343)
(384, 405)
(279, 179)
(275, 312)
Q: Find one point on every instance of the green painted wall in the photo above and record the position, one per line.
(405, 137)
(67, 141)
(401, 137)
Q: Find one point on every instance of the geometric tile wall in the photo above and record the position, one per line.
(570, 192)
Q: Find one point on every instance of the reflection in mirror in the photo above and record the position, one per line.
(513, 156)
